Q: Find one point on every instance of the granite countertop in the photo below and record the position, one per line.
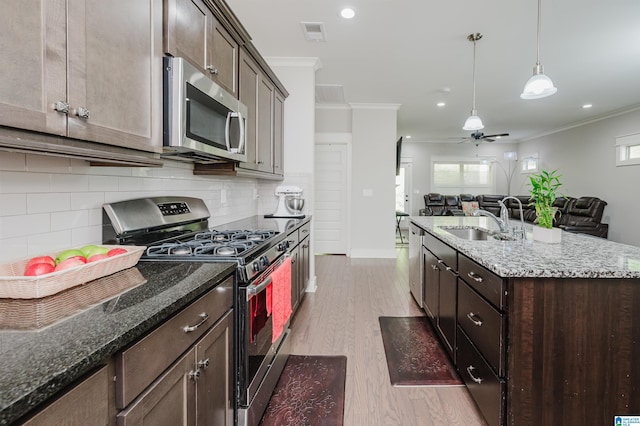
(37, 361)
(577, 256)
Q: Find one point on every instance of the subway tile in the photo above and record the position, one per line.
(86, 200)
(48, 164)
(129, 184)
(49, 243)
(23, 225)
(23, 182)
(69, 220)
(69, 183)
(13, 204)
(103, 183)
(13, 161)
(12, 249)
(95, 217)
(86, 235)
(48, 202)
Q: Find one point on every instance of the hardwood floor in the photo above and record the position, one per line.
(341, 318)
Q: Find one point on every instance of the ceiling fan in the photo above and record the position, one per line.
(478, 137)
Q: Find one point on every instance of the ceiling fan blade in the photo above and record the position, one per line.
(466, 140)
(488, 140)
(496, 135)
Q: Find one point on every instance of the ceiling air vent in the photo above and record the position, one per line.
(329, 94)
(314, 31)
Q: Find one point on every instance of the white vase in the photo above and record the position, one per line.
(546, 235)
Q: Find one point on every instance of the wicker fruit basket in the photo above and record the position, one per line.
(14, 285)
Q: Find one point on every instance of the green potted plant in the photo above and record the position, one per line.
(544, 190)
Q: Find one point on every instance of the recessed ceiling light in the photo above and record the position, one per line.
(586, 106)
(347, 13)
(408, 136)
(440, 104)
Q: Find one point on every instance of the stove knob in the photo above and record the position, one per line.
(256, 266)
(283, 246)
(264, 261)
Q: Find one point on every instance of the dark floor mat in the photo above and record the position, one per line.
(414, 354)
(310, 392)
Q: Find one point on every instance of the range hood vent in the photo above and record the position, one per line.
(330, 94)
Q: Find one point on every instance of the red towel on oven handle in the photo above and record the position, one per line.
(281, 297)
(269, 299)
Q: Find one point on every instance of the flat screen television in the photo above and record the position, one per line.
(398, 152)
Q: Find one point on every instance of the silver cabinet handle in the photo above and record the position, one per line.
(474, 319)
(61, 106)
(213, 70)
(477, 278)
(203, 363)
(434, 267)
(194, 375)
(476, 379)
(304, 231)
(190, 328)
(82, 112)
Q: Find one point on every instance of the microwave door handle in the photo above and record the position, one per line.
(226, 130)
(242, 139)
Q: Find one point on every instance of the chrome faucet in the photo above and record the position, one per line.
(505, 214)
(500, 222)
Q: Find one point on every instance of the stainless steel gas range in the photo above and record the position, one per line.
(175, 229)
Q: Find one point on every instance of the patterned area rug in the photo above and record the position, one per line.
(310, 392)
(414, 354)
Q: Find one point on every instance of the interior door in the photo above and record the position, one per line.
(331, 204)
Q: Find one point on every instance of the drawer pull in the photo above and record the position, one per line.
(477, 278)
(474, 319)
(470, 368)
(190, 328)
(203, 363)
(434, 267)
(194, 375)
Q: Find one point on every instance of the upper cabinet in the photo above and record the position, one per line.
(192, 31)
(83, 69)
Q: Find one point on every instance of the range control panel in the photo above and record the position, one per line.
(172, 209)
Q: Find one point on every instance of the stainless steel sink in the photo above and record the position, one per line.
(473, 233)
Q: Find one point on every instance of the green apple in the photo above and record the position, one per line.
(92, 250)
(62, 256)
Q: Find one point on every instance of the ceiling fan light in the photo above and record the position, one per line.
(537, 87)
(473, 123)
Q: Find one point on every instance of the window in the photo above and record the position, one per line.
(462, 177)
(529, 164)
(628, 150)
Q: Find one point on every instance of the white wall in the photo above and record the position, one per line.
(585, 156)
(50, 203)
(372, 223)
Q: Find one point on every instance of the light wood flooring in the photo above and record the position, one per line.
(341, 318)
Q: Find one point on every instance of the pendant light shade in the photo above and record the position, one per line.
(539, 85)
(473, 122)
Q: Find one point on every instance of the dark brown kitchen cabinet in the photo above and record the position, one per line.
(278, 133)
(295, 277)
(192, 31)
(431, 283)
(264, 134)
(83, 69)
(299, 249)
(447, 303)
(249, 77)
(304, 266)
(87, 403)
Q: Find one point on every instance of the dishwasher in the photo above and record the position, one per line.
(415, 262)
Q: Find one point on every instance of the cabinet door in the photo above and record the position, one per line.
(115, 73)
(85, 404)
(34, 56)
(248, 92)
(224, 59)
(170, 400)
(295, 277)
(431, 290)
(278, 134)
(305, 260)
(214, 360)
(447, 300)
(265, 124)
(186, 26)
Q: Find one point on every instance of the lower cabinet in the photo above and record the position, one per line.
(304, 272)
(295, 277)
(300, 251)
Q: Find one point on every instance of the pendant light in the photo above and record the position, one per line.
(473, 122)
(539, 85)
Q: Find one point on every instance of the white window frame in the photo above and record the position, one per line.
(529, 164)
(490, 187)
(623, 150)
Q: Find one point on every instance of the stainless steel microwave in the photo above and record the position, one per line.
(202, 121)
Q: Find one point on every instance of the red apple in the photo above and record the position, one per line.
(40, 259)
(116, 251)
(38, 269)
(97, 257)
(71, 262)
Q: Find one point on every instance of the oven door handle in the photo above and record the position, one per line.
(254, 289)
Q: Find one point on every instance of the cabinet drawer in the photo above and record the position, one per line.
(487, 390)
(485, 282)
(483, 324)
(442, 251)
(293, 238)
(138, 366)
(304, 231)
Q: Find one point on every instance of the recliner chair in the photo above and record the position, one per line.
(583, 215)
(434, 204)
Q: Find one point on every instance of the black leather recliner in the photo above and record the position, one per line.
(583, 215)
(434, 204)
(489, 202)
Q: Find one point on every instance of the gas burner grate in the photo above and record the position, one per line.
(225, 249)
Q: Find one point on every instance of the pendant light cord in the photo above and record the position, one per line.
(474, 38)
(538, 34)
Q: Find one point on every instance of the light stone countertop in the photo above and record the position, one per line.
(577, 256)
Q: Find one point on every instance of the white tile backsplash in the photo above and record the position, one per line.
(48, 204)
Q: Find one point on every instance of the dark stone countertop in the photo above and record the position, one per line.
(37, 363)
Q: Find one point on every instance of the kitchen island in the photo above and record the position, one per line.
(541, 333)
(37, 362)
